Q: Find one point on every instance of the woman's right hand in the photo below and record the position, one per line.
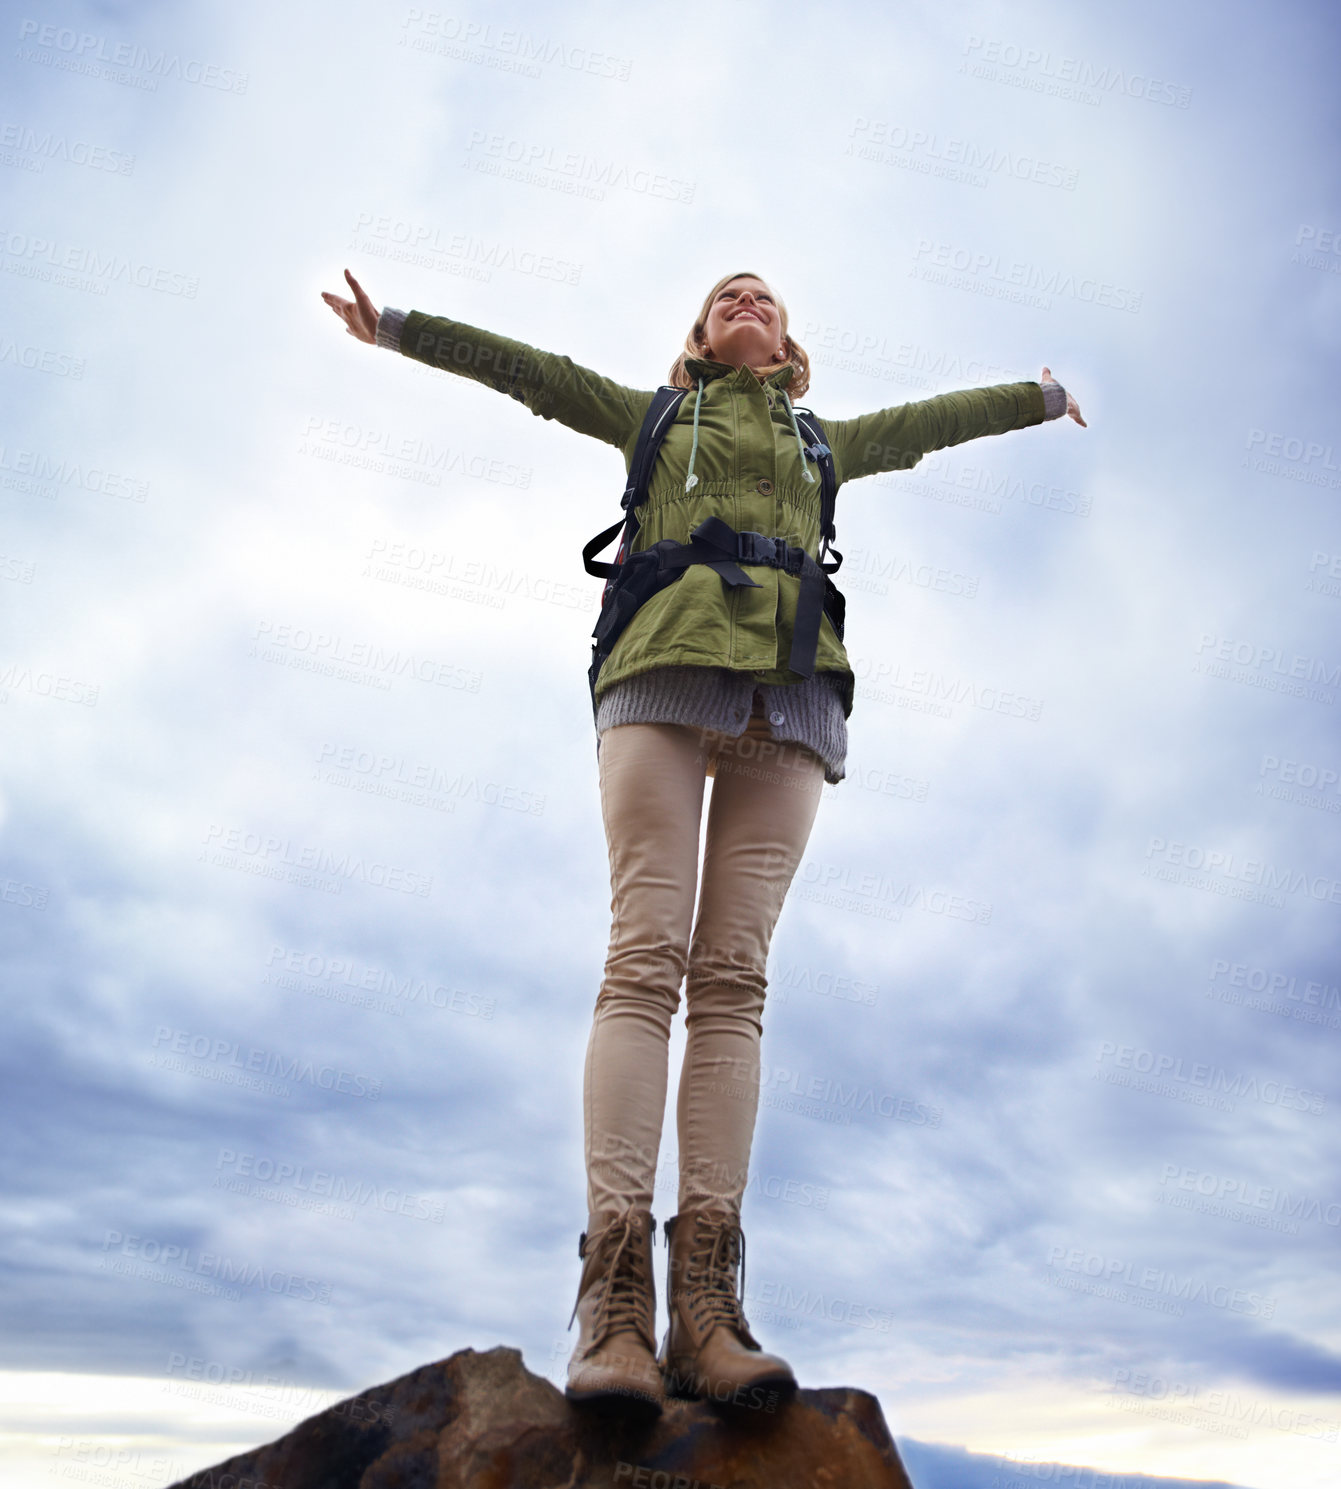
(359, 314)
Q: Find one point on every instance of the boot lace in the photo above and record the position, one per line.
(710, 1280)
(624, 1283)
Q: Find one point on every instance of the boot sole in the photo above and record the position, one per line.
(613, 1401)
(764, 1394)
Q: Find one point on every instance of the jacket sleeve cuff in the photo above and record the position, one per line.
(1054, 395)
(389, 326)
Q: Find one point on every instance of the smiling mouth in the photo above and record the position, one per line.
(742, 314)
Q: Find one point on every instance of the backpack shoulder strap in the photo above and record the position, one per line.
(659, 417)
(828, 485)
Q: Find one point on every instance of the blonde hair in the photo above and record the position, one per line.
(693, 343)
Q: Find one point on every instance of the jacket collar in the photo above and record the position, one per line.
(707, 369)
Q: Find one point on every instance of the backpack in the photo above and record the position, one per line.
(633, 578)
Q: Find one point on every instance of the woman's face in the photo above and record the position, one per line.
(744, 328)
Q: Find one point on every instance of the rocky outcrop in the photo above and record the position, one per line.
(483, 1421)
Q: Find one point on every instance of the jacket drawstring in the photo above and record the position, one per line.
(800, 444)
(693, 449)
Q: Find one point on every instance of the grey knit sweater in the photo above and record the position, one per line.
(808, 713)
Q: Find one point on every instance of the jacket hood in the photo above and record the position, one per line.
(707, 369)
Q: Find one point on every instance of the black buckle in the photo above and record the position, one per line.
(755, 548)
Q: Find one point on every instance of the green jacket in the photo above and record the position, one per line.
(750, 473)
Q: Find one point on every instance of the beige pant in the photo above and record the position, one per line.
(764, 799)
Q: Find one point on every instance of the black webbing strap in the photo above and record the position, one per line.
(721, 548)
(660, 413)
(717, 537)
(823, 457)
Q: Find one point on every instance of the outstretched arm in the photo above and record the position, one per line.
(551, 386)
(897, 438)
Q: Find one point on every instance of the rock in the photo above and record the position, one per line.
(483, 1421)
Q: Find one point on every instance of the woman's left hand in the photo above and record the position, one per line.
(1072, 407)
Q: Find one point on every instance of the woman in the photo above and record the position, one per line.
(698, 685)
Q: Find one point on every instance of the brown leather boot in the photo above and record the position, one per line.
(709, 1350)
(614, 1360)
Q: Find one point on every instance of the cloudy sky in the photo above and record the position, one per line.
(305, 892)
